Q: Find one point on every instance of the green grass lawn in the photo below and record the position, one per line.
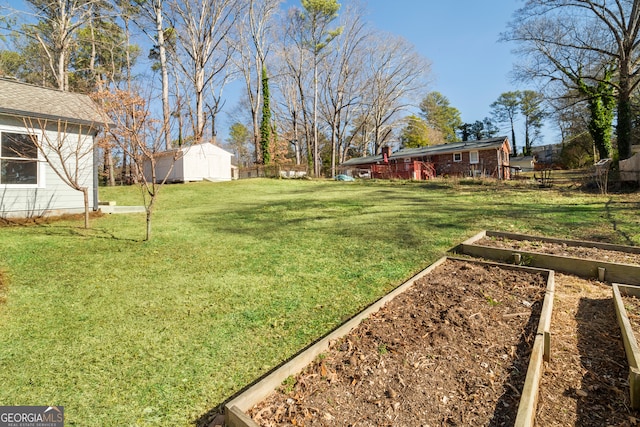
(238, 277)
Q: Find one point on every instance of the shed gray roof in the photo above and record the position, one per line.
(25, 100)
(432, 150)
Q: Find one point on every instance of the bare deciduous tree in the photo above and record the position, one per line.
(294, 81)
(252, 47)
(397, 76)
(313, 29)
(140, 137)
(68, 150)
(57, 23)
(343, 80)
(153, 11)
(202, 29)
(575, 35)
(288, 111)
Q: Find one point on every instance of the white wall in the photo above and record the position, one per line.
(51, 195)
(197, 162)
(164, 166)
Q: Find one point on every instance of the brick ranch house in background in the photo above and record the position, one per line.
(29, 116)
(483, 158)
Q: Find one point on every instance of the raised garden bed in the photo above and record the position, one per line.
(606, 262)
(586, 381)
(462, 343)
(627, 303)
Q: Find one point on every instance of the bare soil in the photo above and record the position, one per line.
(561, 249)
(585, 382)
(451, 351)
(49, 219)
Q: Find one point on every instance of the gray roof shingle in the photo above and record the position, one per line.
(25, 100)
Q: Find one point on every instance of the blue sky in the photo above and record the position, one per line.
(460, 38)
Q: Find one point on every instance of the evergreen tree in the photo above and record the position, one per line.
(531, 110)
(415, 133)
(238, 140)
(440, 115)
(265, 125)
(505, 109)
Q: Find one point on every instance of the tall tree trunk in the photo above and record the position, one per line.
(179, 109)
(166, 110)
(316, 156)
(256, 135)
(125, 160)
(85, 196)
(92, 60)
(296, 144)
(200, 120)
(61, 71)
(525, 150)
(108, 166)
(625, 116)
(513, 138)
(265, 126)
(334, 142)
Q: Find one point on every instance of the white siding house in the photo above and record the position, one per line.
(31, 117)
(198, 162)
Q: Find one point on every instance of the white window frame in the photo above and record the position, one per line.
(457, 154)
(40, 171)
(472, 160)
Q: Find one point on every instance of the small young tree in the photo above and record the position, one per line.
(68, 150)
(140, 138)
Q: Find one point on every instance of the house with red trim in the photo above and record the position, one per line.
(482, 158)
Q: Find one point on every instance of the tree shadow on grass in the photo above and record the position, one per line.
(78, 231)
(383, 217)
(603, 398)
(615, 223)
(54, 226)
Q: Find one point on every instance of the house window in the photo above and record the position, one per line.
(18, 159)
(473, 157)
(457, 157)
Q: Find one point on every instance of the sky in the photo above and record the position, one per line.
(460, 38)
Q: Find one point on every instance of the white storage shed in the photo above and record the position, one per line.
(197, 162)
